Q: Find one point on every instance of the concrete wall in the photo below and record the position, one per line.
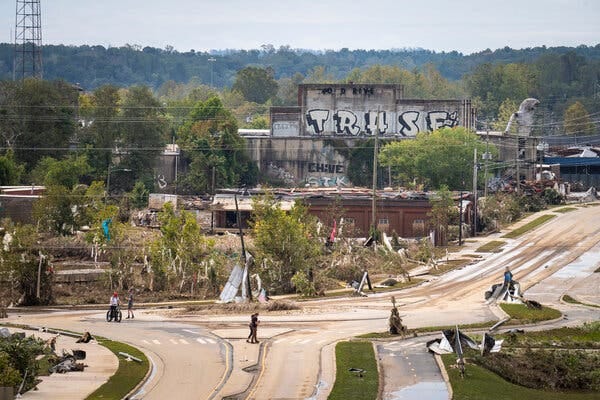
(299, 151)
(349, 110)
(299, 161)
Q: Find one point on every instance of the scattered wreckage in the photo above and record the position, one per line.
(453, 341)
(509, 293)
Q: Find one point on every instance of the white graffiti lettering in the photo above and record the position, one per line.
(327, 181)
(316, 120)
(329, 168)
(408, 123)
(162, 182)
(441, 119)
(375, 121)
(345, 123)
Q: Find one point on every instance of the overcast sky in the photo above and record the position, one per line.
(442, 25)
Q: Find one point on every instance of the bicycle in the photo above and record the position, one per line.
(114, 314)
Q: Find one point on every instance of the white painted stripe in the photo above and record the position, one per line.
(211, 341)
(183, 341)
(279, 340)
(145, 341)
(173, 341)
(195, 332)
(199, 340)
(155, 341)
(305, 341)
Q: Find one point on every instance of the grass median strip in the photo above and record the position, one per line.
(357, 377)
(529, 226)
(128, 375)
(568, 299)
(493, 246)
(521, 314)
(480, 383)
(537, 365)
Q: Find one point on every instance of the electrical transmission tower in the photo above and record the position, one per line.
(28, 40)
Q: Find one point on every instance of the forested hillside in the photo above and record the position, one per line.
(94, 66)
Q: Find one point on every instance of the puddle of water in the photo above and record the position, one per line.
(582, 267)
(422, 390)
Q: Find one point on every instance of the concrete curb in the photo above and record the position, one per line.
(442, 367)
(579, 304)
(77, 335)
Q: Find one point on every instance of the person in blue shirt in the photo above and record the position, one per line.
(507, 276)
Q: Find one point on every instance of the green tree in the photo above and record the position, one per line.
(101, 128)
(256, 84)
(19, 354)
(67, 172)
(426, 83)
(215, 152)
(9, 376)
(54, 211)
(319, 74)
(22, 259)
(183, 255)
(442, 157)
(10, 171)
(143, 136)
(139, 195)
(285, 242)
(577, 120)
(491, 84)
(506, 110)
(37, 115)
(287, 92)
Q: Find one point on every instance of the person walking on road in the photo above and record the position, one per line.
(253, 329)
(507, 277)
(130, 305)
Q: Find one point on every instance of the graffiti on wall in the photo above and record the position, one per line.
(352, 123)
(327, 181)
(280, 173)
(317, 179)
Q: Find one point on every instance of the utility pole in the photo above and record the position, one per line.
(460, 218)
(375, 150)
(474, 231)
(518, 187)
(486, 157)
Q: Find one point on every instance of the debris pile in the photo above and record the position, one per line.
(68, 362)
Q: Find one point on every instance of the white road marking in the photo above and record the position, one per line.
(155, 341)
(183, 341)
(200, 340)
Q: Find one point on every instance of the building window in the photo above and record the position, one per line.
(384, 221)
(349, 221)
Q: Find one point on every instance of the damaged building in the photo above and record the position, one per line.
(405, 213)
(306, 144)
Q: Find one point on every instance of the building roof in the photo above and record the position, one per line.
(225, 199)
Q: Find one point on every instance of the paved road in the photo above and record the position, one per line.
(206, 356)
